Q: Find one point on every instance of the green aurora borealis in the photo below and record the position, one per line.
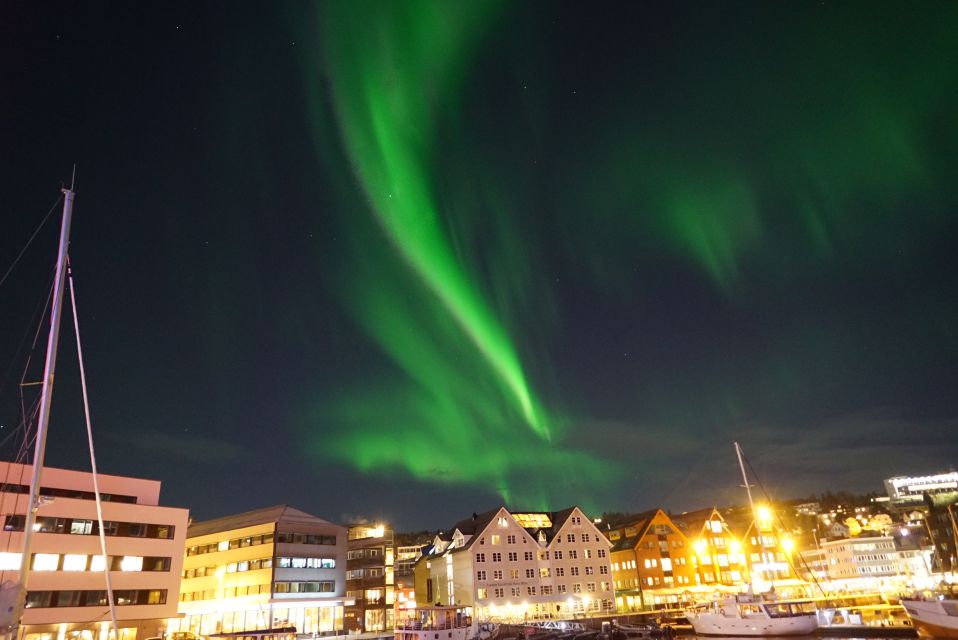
(495, 149)
(407, 259)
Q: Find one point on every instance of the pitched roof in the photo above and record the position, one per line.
(692, 522)
(276, 513)
(471, 527)
(638, 520)
(475, 524)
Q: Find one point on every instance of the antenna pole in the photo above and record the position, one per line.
(748, 488)
(46, 398)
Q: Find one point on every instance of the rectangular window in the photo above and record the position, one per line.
(481, 575)
(513, 556)
(511, 539)
(528, 556)
(481, 593)
(530, 573)
(46, 561)
(558, 555)
(480, 557)
(500, 592)
(570, 537)
(82, 527)
(497, 574)
(573, 554)
(74, 562)
(497, 557)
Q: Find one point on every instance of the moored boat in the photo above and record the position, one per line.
(435, 622)
(754, 616)
(935, 618)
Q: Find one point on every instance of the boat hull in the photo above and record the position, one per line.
(933, 618)
(714, 624)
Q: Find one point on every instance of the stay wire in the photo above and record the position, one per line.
(781, 526)
(27, 245)
(37, 313)
(89, 433)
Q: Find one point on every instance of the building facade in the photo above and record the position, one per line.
(370, 578)
(274, 568)
(720, 558)
(942, 530)
(869, 563)
(908, 491)
(66, 586)
(519, 566)
(653, 563)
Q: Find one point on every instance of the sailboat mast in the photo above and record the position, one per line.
(46, 399)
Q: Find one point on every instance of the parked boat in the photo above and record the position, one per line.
(935, 618)
(863, 621)
(754, 616)
(432, 622)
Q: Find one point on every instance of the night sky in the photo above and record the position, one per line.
(411, 260)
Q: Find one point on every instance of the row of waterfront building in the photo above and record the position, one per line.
(282, 568)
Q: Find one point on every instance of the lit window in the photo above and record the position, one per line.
(131, 563)
(46, 561)
(97, 563)
(223, 546)
(10, 561)
(74, 562)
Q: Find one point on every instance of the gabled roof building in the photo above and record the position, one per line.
(653, 563)
(519, 566)
(721, 560)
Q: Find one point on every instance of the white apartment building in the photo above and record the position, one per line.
(519, 566)
(909, 490)
(66, 586)
(274, 568)
(869, 563)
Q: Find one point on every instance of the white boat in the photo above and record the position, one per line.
(937, 618)
(754, 616)
(435, 623)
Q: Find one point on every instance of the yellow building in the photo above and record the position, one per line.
(275, 568)
(653, 563)
(720, 558)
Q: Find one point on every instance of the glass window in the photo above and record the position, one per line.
(74, 562)
(46, 561)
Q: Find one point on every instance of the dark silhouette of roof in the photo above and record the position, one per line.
(278, 513)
